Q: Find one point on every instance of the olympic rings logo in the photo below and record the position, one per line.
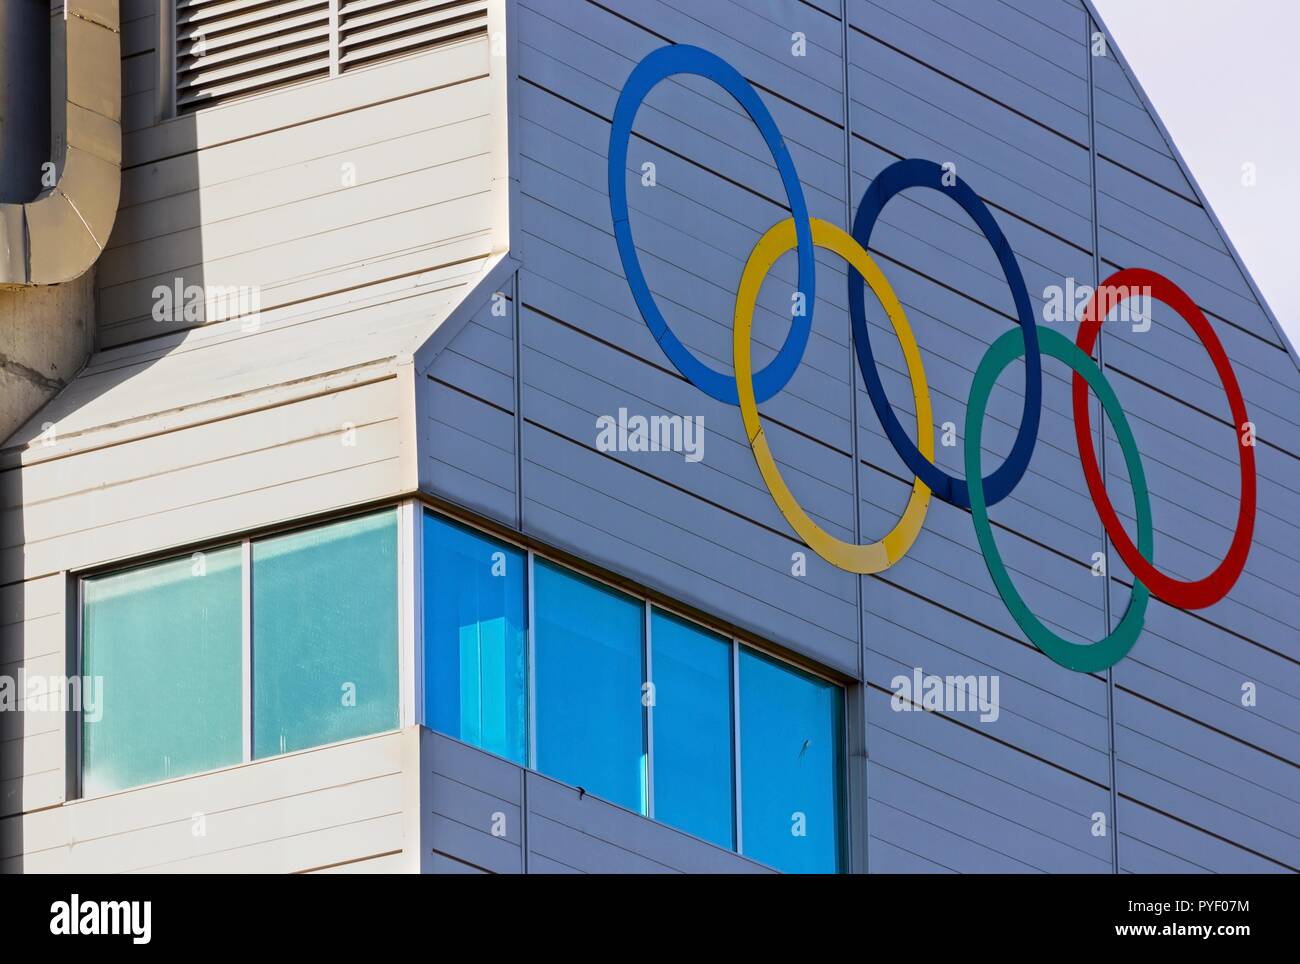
(976, 492)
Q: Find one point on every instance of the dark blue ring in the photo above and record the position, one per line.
(657, 66)
(899, 176)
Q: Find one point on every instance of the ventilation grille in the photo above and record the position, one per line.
(371, 30)
(232, 48)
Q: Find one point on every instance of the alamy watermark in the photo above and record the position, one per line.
(130, 918)
(1132, 305)
(652, 433)
(37, 693)
(208, 303)
(947, 694)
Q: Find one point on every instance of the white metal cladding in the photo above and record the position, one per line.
(233, 48)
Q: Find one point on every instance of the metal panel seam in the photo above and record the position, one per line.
(1089, 27)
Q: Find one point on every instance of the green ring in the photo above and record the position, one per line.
(1110, 650)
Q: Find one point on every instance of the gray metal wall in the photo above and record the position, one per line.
(1006, 90)
(482, 814)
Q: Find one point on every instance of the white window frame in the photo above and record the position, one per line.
(407, 645)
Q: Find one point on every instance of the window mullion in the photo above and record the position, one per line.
(77, 663)
(735, 730)
(531, 667)
(410, 594)
(246, 658)
(649, 717)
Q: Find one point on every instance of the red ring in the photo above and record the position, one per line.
(1202, 592)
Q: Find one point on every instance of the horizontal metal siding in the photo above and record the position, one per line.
(706, 532)
(481, 812)
(945, 792)
(1006, 55)
(914, 108)
(33, 624)
(585, 349)
(1126, 134)
(472, 806)
(345, 806)
(1014, 133)
(257, 468)
(1066, 17)
(305, 193)
(138, 31)
(592, 836)
(467, 414)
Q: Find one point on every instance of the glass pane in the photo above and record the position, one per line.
(590, 723)
(475, 639)
(791, 766)
(693, 743)
(325, 634)
(166, 640)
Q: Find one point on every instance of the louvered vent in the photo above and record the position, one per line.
(371, 30)
(231, 48)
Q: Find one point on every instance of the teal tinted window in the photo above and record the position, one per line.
(693, 744)
(590, 718)
(325, 634)
(166, 641)
(792, 766)
(475, 639)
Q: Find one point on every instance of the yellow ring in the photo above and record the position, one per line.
(878, 556)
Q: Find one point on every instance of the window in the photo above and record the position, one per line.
(590, 720)
(325, 634)
(476, 639)
(636, 705)
(693, 745)
(166, 640)
(169, 642)
(792, 766)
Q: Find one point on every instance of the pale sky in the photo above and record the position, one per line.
(1224, 76)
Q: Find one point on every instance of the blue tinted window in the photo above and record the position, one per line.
(167, 642)
(791, 766)
(693, 741)
(588, 645)
(475, 639)
(325, 634)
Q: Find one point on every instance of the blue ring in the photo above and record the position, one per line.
(898, 177)
(657, 66)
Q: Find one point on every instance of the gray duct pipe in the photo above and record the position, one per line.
(24, 97)
(57, 230)
(60, 176)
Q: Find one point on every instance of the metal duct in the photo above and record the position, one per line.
(59, 233)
